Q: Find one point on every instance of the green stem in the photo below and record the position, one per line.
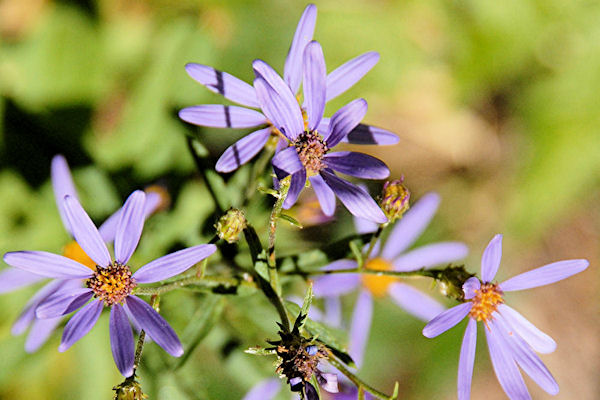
(355, 379)
(430, 273)
(374, 240)
(206, 282)
(275, 212)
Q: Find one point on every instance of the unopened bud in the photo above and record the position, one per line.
(231, 224)
(394, 199)
(129, 389)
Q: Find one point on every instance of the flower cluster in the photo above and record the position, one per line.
(369, 264)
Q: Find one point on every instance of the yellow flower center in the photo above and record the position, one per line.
(486, 301)
(311, 148)
(378, 284)
(112, 284)
(75, 252)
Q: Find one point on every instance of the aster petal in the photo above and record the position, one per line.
(537, 339)
(243, 150)
(130, 226)
(80, 324)
(222, 116)
(28, 313)
(545, 275)
(410, 227)
(40, 332)
(333, 311)
(324, 194)
(345, 120)
(336, 284)
(59, 303)
(356, 200)
(13, 278)
(490, 261)
(265, 390)
(47, 264)
(430, 255)
(526, 357)
(85, 232)
(357, 164)
(154, 325)
(121, 340)
(62, 185)
(280, 107)
(297, 183)
(446, 320)
(314, 83)
(364, 225)
(466, 361)
(220, 82)
(505, 367)
(368, 134)
(287, 160)
(173, 264)
(360, 326)
(328, 382)
(415, 302)
(292, 70)
(470, 286)
(346, 75)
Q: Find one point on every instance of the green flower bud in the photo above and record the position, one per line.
(394, 199)
(129, 389)
(231, 224)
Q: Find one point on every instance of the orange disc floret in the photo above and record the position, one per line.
(485, 302)
(378, 284)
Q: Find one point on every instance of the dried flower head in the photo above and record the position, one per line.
(394, 199)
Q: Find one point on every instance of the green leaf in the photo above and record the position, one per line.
(291, 220)
(260, 351)
(396, 390)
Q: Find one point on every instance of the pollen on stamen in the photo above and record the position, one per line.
(311, 148)
(112, 284)
(486, 301)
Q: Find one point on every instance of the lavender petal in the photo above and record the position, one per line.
(537, 339)
(446, 320)
(221, 116)
(28, 313)
(410, 227)
(346, 75)
(47, 264)
(505, 367)
(345, 120)
(265, 390)
(490, 261)
(415, 302)
(287, 161)
(297, 183)
(40, 332)
(172, 264)
(121, 340)
(324, 194)
(59, 303)
(466, 361)
(526, 357)
(333, 311)
(470, 286)
(85, 232)
(328, 382)
(80, 324)
(62, 185)
(12, 279)
(154, 325)
(430, 255)
(367, 134)
(243, 150)
(292, 70)
(336, 284)
(314, 83)
(360, 327)
(130, 226)
(364, 225)
(357, 164)
(224, 84)
(544, 275)
(281, 108)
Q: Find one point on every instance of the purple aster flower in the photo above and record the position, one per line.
(238, 91)
(12, 278)
(308, 156)
(512, 340)
(110, 284)
(391, 256)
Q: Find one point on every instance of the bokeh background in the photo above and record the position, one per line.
(496, 104)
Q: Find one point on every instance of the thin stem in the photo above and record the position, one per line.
(430, 273)
(277, 207)
(355, 379)
(374, 240)
(206, 281)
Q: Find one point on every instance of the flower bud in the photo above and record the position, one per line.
(231, 224)
(394, 199)
(129, 389)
